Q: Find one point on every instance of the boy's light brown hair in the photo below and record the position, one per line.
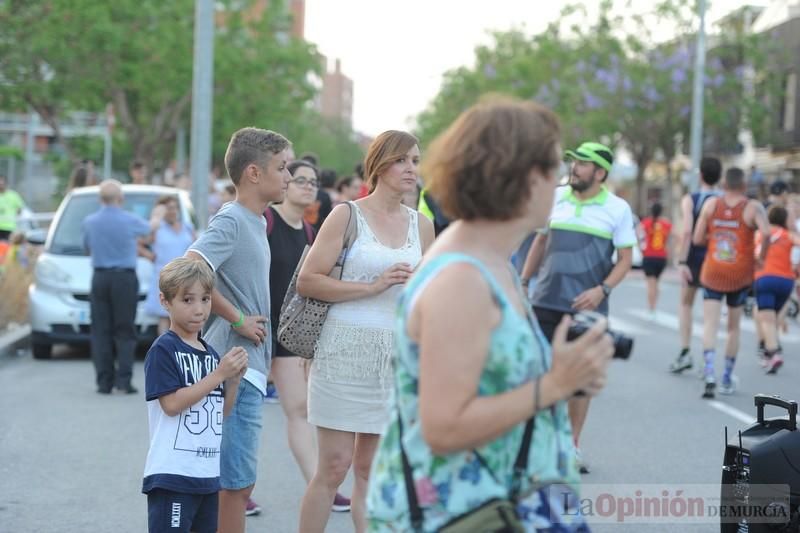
(479, 167)
(252, 146)
(181, 273)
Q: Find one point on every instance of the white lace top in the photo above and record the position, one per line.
(356, 342)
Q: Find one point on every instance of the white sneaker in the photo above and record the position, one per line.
(729, 387)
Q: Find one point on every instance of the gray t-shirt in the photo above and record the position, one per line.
(235, 246)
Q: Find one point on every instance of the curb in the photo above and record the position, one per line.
(15, 338)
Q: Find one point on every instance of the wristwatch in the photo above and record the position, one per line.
(606, 289)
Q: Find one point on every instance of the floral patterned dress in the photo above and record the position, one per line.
(450, 485)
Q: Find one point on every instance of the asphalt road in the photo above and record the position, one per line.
(71, 460)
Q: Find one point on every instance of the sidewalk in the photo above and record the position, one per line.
(14, 338)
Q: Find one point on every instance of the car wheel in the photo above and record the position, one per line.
(42, 350)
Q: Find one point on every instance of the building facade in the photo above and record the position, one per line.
(336, 100)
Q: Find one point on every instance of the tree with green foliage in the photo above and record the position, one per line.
(331, 140)
(58, 56)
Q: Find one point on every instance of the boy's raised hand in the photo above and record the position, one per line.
(234, 363)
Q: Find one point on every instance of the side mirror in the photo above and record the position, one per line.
(36, 237)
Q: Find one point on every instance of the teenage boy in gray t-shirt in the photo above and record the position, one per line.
(235, 246)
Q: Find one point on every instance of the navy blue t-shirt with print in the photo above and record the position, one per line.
(184, 449)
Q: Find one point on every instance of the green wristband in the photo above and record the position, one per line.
(239, 323)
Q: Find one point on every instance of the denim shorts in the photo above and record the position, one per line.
(241, 437)
(733, 298)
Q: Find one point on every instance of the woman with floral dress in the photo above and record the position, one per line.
(471, 366)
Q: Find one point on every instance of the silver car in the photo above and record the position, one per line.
(58, 298)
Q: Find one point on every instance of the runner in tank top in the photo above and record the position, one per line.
(728, 225)
(656, 231)
(774, 285)
(691, 256)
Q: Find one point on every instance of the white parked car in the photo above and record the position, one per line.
(58, 298)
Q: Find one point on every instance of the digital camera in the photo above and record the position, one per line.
(584, 320)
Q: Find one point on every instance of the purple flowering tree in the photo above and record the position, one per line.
(607, 80)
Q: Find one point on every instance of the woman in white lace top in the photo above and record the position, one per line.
(350, 380)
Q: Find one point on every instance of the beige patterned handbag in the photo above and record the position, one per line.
(301, 318)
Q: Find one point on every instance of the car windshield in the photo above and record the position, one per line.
(67, 238)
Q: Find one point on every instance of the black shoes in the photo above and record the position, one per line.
(127, 389)
(710, 387)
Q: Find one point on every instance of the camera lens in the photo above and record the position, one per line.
(623, 345)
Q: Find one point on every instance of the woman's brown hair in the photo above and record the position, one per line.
(387, 148)
(479, 167)
(778, 216)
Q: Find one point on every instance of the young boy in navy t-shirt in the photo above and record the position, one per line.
(189, 390)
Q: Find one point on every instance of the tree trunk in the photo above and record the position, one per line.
(144, 153)
(148, 142)
(640, 201)
(49, 115)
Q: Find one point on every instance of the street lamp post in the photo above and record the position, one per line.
(202, 102)
(696, 146)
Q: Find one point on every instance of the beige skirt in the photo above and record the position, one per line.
(350, 384)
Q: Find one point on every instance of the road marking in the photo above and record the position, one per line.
(666, 320)
(618, 324)
(741, 416)
(671, 321)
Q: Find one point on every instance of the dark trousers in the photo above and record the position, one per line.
(548, 321)
(113, 303)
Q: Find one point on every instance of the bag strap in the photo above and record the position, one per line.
(348, 240)
(417, 516)
(309, 232)
(351, 230)
(521, 462)
(270, 216)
